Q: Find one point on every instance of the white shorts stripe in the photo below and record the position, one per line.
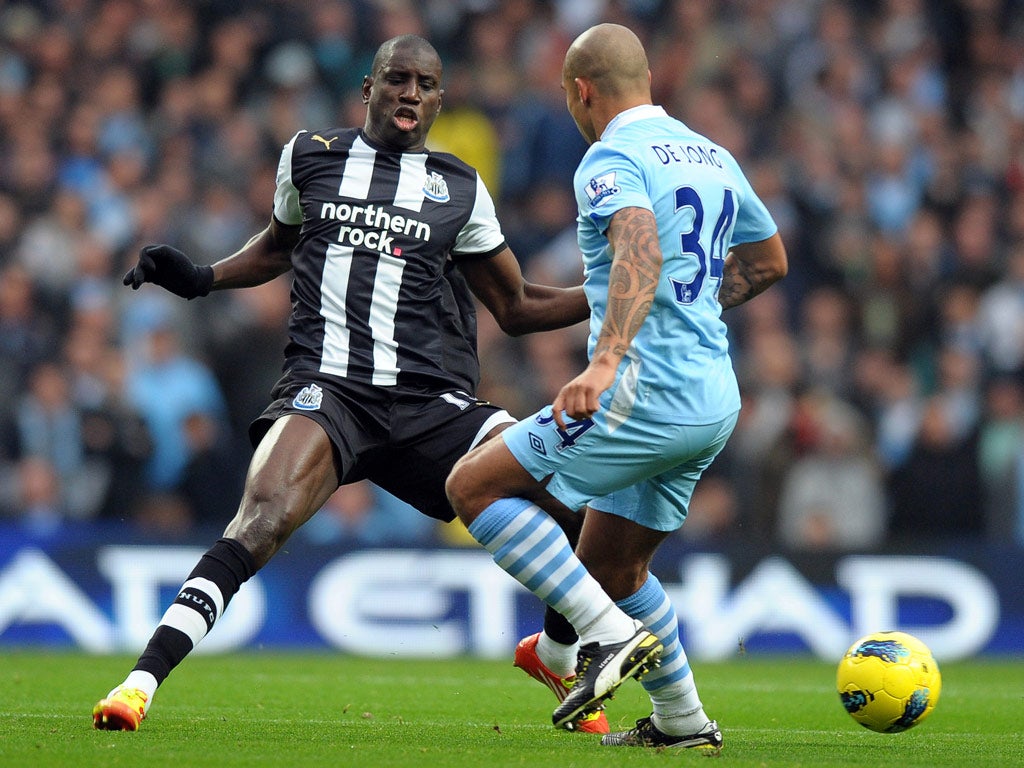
(496, 418)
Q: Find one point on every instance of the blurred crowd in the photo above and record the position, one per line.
(883, 379)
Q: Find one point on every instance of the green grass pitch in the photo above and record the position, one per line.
(280, 709)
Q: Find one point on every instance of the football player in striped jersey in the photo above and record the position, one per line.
(385, 241)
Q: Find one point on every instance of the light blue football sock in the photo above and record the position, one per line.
(527, 543)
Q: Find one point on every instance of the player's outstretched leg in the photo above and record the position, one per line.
(528, 660)
(678, 719)
(200, 602)
(528, 544)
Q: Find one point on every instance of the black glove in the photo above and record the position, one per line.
(171, 269)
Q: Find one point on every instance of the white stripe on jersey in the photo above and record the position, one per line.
(383, 308)
(482, 232)
(358, 170)
(333, 307)
(287, 207)
(410, 182)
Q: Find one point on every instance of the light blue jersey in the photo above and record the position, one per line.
(678, 369)
(675, 399)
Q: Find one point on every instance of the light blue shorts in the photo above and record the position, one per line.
(643, 471)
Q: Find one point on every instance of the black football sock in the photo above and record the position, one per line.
(200, 602)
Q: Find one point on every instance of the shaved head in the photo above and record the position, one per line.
(612, 58)
(605, 73)
(414, 43)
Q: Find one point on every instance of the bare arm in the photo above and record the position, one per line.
(750, 268)
(264, 257)
(635, 270)
(518, 306)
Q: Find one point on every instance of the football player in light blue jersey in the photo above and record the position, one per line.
(671, 234)
(677, 368)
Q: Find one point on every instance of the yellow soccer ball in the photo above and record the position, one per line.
(888, 681)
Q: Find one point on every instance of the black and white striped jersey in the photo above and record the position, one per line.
(374, 298)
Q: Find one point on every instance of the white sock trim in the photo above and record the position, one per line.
(144, 681)
(681, 725)
(559, 658)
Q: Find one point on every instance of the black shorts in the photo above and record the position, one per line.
(405, 443)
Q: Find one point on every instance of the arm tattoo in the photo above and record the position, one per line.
(742, 281)
(636, 268)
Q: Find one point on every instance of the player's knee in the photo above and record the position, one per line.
(264, 498)
(454, 488)
(460, 490)
(266, 518)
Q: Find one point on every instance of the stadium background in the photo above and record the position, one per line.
(877, 472)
